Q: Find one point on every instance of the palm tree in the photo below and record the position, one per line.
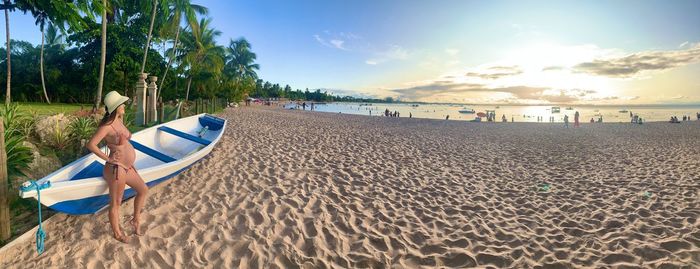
(54, 36)
(45, 11)
(200, 54)
(103, 56)
(150, 34)
(42, 18)
(177, 9)
(104, 8)
(241, 59)
(8, 6)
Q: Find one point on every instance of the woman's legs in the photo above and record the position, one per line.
(116, 193)
(134, 180)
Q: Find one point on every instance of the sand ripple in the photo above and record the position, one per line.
(290, 189)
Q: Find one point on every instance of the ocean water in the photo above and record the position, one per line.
(518, 113)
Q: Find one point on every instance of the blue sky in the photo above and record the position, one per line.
(469, 51)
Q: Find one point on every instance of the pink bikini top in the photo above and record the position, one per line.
(121, 140)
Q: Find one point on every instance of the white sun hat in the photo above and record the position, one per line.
(113, 99)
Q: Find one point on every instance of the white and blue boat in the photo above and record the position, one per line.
(162, 151)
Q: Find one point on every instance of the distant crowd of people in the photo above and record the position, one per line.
(674, 119)
(394, 114)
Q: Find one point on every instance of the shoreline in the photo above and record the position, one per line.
(342, 107)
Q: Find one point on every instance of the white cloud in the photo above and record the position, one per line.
(633, 64)
(338, 44)
(521, 77)
(349, 36)
(336, 41)
(396, 52)
(392, 53)
(451, 52)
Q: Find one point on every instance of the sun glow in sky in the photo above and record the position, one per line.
(578, 52)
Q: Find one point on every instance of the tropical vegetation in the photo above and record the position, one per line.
(89, 47)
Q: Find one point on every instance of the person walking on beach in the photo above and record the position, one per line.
(410, 115)
(119, 169)
(566, 121)
(303, 105)
(447, 117)
(576, 119)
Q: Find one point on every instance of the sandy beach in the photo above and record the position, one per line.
(299, 189)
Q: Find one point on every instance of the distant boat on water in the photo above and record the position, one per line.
(569, 108)
(556, 109)
(414, 105)
(623, 111)
(467, 111)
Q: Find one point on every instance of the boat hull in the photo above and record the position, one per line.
(79, 188)
(92, 204)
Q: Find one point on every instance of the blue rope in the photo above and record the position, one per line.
(40, 234)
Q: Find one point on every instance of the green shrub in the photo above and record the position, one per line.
(54, 131)
(19, 156)
(82, 128)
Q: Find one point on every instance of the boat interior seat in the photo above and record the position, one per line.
(184, 135)
(152, 152)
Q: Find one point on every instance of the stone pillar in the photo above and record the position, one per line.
(152, 100)
(140, 99)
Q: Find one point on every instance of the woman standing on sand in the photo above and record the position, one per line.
(576, 119)
(119, 169)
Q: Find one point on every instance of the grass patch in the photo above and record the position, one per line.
(44, 109)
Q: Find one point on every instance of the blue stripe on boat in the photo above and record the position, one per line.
(90, 205)
(214, 123)
(184, 135)
(152, 152)
(92, 170)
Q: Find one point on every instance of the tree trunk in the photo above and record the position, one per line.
(4, 193)
(9, 65)
(170, 60)
(189, 83)
(126, 83)
(150, 32)
(103, 56)
(41, 68)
